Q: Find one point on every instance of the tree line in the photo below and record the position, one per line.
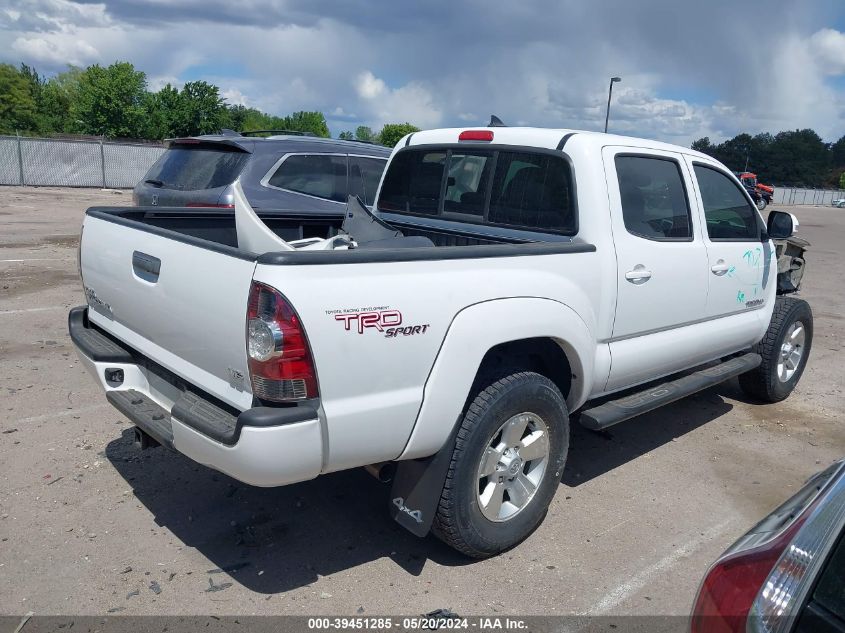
(115, 102)
(796, 158)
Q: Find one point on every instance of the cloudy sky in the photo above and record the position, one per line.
(690, 68)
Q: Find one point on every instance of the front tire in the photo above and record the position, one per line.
(785, 349)
(506, 465)
(761, 204)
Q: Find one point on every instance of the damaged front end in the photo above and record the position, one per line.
(790, 254)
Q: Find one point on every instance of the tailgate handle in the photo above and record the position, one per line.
(146, 266)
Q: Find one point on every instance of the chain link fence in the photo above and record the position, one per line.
(74, 163)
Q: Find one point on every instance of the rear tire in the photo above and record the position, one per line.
(785, 349)
(506, 465)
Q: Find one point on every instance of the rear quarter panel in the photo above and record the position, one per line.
(371, 383)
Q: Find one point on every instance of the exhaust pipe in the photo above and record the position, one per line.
(383, 471)
(144, 440)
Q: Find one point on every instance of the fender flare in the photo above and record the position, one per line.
(473, 332)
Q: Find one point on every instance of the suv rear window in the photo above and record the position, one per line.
(319, 175)
(191, 168)
(530, 190)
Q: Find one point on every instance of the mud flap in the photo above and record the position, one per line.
(417, 486)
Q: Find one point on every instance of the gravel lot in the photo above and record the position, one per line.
(89, 525)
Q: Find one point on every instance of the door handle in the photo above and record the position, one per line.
(146, 266)
(719, 268)
(639, 275)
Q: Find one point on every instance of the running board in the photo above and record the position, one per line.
(616, 411)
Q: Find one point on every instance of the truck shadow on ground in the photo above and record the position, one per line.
(297, 533)
(294, 534)
(593, 454)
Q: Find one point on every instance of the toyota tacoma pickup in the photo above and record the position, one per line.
(507, 281)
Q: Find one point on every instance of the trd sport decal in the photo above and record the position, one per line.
(382, 319)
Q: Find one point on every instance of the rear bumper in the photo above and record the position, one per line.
(262, 446)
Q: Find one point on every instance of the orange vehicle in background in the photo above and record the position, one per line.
(762, 194)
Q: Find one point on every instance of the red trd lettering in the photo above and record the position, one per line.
(369, 319)
(391, 318)
(377, 320)
(346, 318)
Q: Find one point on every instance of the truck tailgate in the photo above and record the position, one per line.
(180, 304)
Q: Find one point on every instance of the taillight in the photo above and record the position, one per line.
(732, 584)
(476, 135)
(280, 365)
(760, 583)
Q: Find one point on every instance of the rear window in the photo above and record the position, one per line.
(192, 168)
(319, 175)
(530, 190)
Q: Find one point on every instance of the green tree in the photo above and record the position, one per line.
(799, 157)
(18, 108)
(313, 122)
(164, 112)
(842, 180)
(702, 145)
(363, 133)
(837, 153)
(392, 133)
(346, 136)
(201, 109)
(110, 101)
(57, 95)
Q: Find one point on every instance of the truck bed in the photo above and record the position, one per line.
(217, 226)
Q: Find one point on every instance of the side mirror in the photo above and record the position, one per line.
(781, 225)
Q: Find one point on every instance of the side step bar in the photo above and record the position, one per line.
(616, 411)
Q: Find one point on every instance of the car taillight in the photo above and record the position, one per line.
(760, 583)
(280, 365)
(476, 135)
(730, 587)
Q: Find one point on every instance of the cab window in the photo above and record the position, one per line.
(523, 190)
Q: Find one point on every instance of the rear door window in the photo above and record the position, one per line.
(729, 214)
(319, 175)
(531, 190)
(364, 177)
(654, 200)
(191, 168)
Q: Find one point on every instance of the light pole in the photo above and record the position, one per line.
(613, 80)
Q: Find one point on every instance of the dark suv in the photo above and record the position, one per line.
(283, 172)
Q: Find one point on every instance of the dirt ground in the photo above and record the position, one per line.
(89, 525)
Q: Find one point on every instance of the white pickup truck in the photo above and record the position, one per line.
(507, 279)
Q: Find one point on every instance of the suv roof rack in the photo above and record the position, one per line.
(288, 132)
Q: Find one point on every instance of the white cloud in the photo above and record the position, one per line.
(233, 96)
(56, 49)
(411, 102)
(829, 48)
(369, 86)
